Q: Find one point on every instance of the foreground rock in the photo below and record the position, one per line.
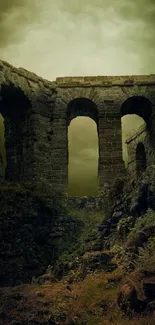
(80, 267)
(137, 294)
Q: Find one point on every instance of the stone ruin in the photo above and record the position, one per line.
(37, 114)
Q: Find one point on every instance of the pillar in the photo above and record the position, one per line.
(111, 165)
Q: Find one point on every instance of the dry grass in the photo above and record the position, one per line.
(92, 301)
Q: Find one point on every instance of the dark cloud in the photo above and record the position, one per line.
(139, 9)
(141, 32)
(14, 16)
(24, 12)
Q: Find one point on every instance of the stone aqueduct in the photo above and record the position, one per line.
(37, 113)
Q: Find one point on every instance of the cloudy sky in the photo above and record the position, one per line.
(88, 37)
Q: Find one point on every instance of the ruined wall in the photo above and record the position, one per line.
(93, 203)
(27, 129)
(145, 138)
(37, 114)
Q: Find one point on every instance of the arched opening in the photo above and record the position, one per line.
(14, 106)
(130, 125)
(140, 158)
(82, 120)
(136, 112)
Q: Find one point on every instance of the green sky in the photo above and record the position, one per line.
(86, 37)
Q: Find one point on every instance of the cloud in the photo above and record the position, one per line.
(79, 38)
(15, 15)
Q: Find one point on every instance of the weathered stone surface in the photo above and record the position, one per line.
(141, 151)
(106, 81)
(86, 203)
(37, 113)
(1, 169)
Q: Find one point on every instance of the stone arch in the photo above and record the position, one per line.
(142, 107)
(141, 163)
(138, 105)
(64, 97)
(14, 107)
(81, 107)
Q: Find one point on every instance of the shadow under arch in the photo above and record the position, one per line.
(82, 107)
(138, 105)
(14, 108)
(141, 163)
(13, 102)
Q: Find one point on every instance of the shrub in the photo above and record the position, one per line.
(145, 262)
(146, 221)
(124, 226)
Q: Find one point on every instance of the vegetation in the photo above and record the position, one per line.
(87, 302)
(34, 231)
(145, 262)
(142, 234)
(65, 289)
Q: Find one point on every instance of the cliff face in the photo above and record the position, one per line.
(129, 200)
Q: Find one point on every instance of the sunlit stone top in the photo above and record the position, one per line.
(106, 80)
(83, 81)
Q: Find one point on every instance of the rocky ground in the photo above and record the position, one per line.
(91, 298)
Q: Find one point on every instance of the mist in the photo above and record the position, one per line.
(95, 37)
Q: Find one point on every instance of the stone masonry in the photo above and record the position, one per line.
(141, 151)
(37, 113)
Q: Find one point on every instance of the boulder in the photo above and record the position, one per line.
(137, 294)
(98, 260)
(149, 288)
(127, 298)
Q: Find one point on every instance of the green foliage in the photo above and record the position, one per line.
(88, 232)
(124, 226)
(145, 261)
(91, 220)
(146, 221)
(140, 243)
(117, 249)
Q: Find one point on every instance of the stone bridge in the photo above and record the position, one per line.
(37, 113)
